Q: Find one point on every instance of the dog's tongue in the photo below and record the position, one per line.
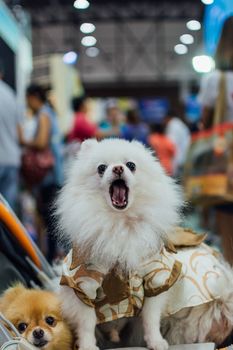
(119, 194)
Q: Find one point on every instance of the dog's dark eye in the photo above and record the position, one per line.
(50, 320)
(101, 169)
(131, 166)
(22, 327)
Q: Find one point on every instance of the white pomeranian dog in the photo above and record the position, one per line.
(118, 207)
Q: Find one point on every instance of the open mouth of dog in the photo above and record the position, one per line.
(40, 344)
(119, 193)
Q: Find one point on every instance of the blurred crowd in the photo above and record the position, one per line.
(169, 138)
(24, 140)
(34, 153)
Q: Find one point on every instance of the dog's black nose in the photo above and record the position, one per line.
(118, 170)
(38, 333)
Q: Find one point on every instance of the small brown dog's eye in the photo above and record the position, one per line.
(50, 320)
(22, 327)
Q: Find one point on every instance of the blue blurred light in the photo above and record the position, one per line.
(215, 16)
(70, 57)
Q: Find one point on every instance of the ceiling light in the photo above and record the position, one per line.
(87, 28)
(70, 57)
(193, 25)
(181, 49)
(92, 51)
(207, 2)
(203, 64)
(187, 39)
(88, 41)
(81, 4)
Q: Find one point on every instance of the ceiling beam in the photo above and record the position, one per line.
(63, 12)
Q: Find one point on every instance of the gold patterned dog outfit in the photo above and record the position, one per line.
(193, 272)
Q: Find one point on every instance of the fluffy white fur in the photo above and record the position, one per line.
(89, 219)
(109, 235)
(126, 237)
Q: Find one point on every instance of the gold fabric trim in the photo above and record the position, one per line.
(116, 287)
(67, 281)
(175, 273)
(185, 237)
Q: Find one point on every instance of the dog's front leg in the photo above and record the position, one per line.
(81, 317)
(151, 315)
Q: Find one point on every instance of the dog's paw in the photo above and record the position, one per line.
(161, 344)
(114, 336)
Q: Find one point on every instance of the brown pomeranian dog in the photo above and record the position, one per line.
(37, 316)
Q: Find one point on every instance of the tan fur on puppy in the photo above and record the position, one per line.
(37, 316)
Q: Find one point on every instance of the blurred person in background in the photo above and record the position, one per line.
(193, 109)
(83, 128)
(10, 121)
(178, 132)
(114, 117)
(134, 129)
(47, 135)
(208, 95)
(163, 147)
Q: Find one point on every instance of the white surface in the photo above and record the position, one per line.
(201, 346)
(204, 346)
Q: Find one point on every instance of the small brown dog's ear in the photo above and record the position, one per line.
(1, 304)
(10, 294)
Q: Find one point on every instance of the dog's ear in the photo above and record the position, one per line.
(138, 144)
(10, 294)
(88, 145)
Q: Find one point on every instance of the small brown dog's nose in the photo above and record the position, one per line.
(38, 333)
(118, 170)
